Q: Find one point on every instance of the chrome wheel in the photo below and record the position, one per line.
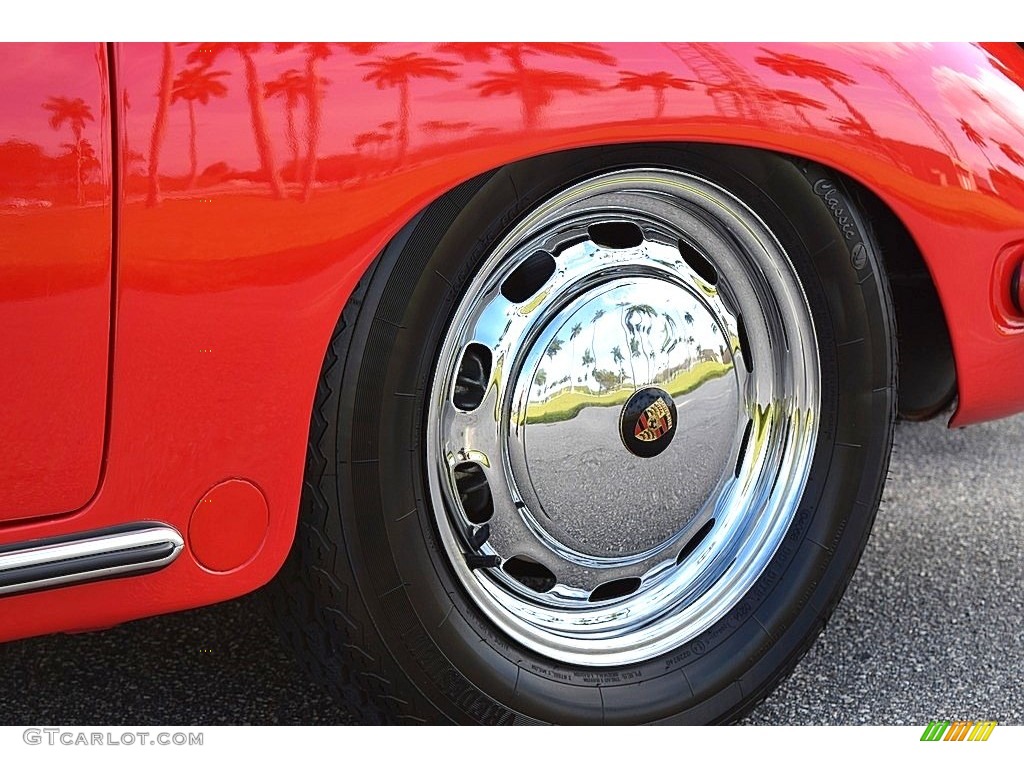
(623, 416)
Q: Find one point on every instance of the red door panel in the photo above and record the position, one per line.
(55, 262)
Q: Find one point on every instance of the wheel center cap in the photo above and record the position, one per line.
(592, 449)
(648, 422)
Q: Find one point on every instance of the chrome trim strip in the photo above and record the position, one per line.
(94, 555)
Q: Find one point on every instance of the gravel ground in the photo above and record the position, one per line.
(931, 625)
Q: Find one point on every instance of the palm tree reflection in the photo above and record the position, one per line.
(792, 65)
(192, 85)
(313, 87)
(971, 133)
(652, 341)
(534, 86)
(156, 140)
(289, 86)
(75, 112)
(658, 82)
(1012, 155)
(573, 333)
(398, 72)
(206, 54)
(799, 102)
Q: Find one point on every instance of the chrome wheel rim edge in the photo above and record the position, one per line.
(780, 397)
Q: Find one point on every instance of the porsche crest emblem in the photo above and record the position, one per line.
(648, 422)
(654, 423)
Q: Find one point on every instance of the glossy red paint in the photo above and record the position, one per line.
(228, 525)
(55, 256)
(259, 181)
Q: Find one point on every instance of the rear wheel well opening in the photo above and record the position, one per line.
(927, 368)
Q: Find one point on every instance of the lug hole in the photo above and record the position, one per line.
(529, 277)
(471, 381)
(616, 235)
(741, 331)
(529, 573)
(696, 261)
(474, 492)
(614, 589)
(695, 541)
(744, 443)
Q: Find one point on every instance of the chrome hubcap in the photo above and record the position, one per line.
(623, 417)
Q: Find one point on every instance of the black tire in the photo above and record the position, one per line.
(367, 597)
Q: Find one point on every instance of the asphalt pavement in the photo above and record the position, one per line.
(931, 626)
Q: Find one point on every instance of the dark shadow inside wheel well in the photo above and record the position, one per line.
(927, 370)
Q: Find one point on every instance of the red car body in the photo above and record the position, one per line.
(177, 243)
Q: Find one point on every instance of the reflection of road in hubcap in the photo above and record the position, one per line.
(595, 457)
(648, 422)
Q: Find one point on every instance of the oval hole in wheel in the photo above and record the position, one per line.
(743, 446)
(474, 492)
(696, 261)
(616, 234)
(695, 541)
(529, 573)
(471, 380)
(529, 277)
(612, 589)
(741, 331)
